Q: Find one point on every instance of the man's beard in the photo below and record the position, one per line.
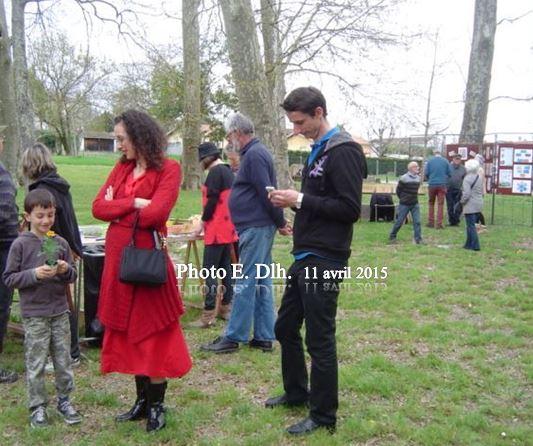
(235, 145)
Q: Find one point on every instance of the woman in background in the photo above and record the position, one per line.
(142, 333)
(472, 201)
(41, 172)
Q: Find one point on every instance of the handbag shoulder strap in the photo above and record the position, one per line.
(475, 181)
(134, 229)
(159, 240)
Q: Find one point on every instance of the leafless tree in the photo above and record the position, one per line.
(192, 95)
(479, 73)
(65, 86)
(8, 109)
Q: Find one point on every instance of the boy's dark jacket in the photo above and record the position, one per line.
(332, 188)
(65, 224)
(38, 298)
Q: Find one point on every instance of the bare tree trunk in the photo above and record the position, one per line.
(26, 116)
(247, 67)
(192, 95)
(427, 123)
(8, 109)
(479, 73)
(274, 70)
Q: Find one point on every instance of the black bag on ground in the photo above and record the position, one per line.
(143, 266)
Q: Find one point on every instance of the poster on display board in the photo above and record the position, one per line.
(523, 155)
(506, 179)
(506, 156)
(522, 187)
(522, 171)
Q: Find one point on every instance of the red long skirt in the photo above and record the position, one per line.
(164, 354)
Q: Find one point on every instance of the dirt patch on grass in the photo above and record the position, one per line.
(508, 282)
(524, 244)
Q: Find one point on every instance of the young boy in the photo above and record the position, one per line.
(43, 306)
(407, 191)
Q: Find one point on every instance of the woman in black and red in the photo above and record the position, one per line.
(219, 232)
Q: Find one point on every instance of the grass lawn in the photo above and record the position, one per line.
(437, 353)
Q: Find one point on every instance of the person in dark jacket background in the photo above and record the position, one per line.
(8, 233)
(39, 168)
(326, 209)
(453, 194)
(407, 191)
(219, 232)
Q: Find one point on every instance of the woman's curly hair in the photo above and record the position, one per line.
(146, 135)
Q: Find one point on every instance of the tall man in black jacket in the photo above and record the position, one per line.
(326, 209)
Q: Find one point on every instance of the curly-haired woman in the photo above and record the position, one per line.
(142, 333)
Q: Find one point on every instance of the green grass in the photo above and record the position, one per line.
(438, 353)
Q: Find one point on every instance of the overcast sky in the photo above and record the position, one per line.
(403, 73)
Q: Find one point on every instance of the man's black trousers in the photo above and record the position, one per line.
(311, 298)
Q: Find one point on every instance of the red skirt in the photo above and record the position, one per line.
(163, 354)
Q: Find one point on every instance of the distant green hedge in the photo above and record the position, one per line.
(376, 166)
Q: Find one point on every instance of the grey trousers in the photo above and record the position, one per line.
(43, 336)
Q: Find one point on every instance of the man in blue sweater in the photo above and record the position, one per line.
(437, 173)
(256, 220)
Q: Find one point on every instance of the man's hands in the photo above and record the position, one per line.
(284, 198)
(286, 230)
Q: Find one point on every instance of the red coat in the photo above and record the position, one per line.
(138, 310)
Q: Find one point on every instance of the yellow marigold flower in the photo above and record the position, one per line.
(50, 234)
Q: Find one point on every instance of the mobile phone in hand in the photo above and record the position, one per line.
(270, 188)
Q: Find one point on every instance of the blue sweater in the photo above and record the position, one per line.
(437, 171)
(248, 202)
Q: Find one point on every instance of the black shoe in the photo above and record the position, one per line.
(139, 409)
(156, 410)
(307, 426)
(266, 346)
(277, 401)
(220, 345)
(8, 377)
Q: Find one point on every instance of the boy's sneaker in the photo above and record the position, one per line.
(69, 414)
(8, 377)
(75, 362)
(38, 417)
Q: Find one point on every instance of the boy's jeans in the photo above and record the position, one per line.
(43, 335)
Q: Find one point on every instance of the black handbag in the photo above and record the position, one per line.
(143, 266)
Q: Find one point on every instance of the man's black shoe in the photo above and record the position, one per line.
(266, 346)
(277, 401)
(220, 345)
(307, 426)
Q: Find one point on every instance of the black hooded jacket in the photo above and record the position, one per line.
(332, 188)
(66, 224)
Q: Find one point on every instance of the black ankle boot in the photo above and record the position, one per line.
(156, 410)
(139, 409)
